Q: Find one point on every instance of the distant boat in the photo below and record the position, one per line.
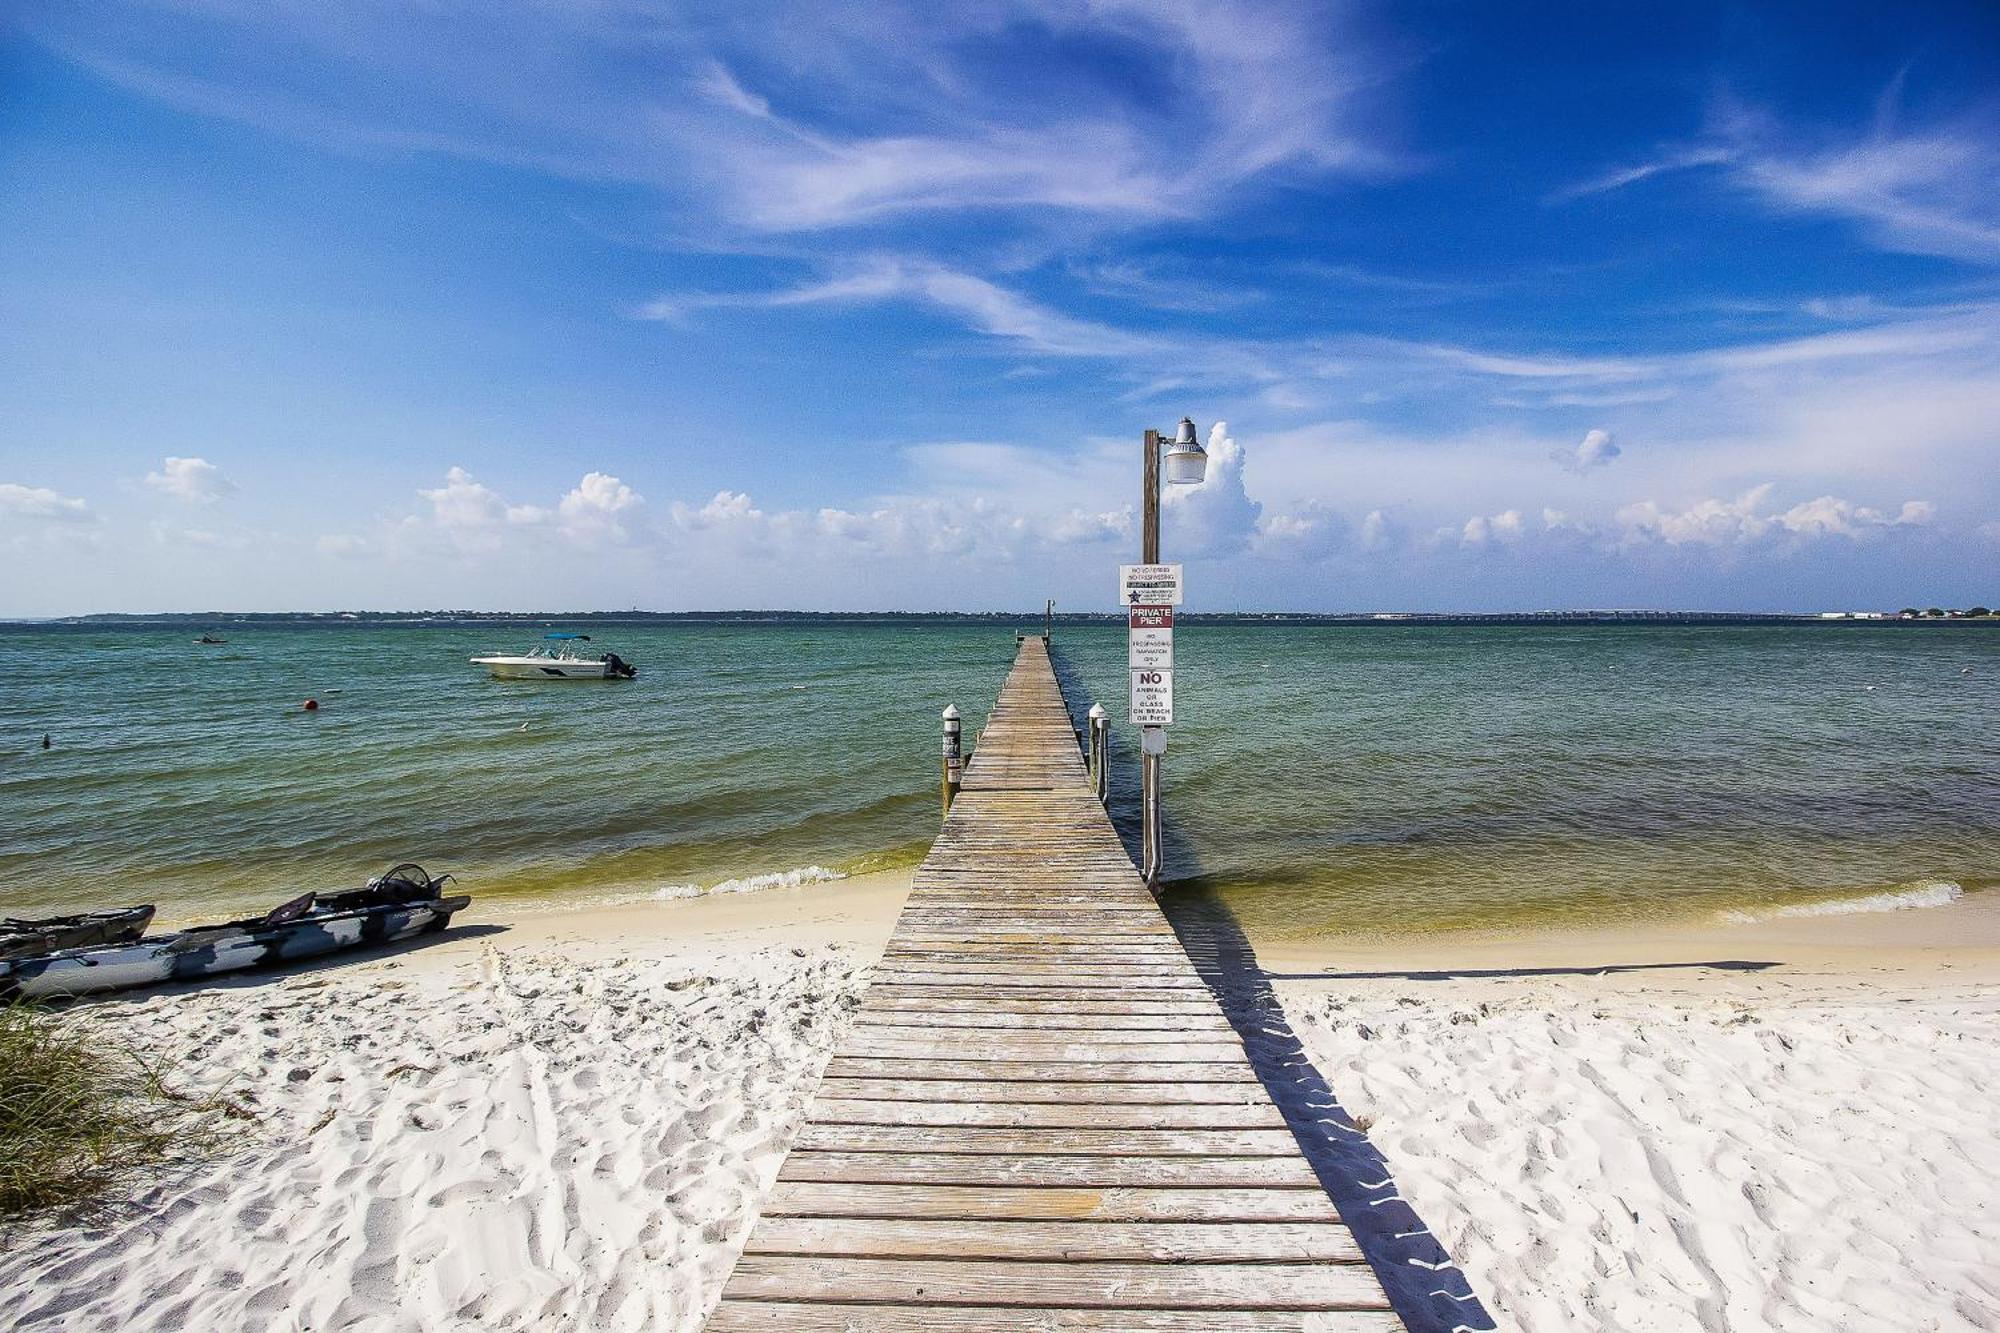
(559, 659)
(26, 937)
(210, 638)
(405, 901)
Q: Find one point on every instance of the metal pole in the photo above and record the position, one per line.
(1100, 750)
(1048, 619)
(954, 755)
(1149, 815)
(1152, 740)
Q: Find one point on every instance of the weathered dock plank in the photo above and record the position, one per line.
(1041, 1118)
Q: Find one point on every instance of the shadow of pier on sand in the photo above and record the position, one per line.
(1428, 1290)
(1476, 973)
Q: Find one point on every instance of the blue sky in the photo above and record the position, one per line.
(611, 304)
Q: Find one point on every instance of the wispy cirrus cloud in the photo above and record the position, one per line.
(983, 305)
(1915, 190)
(776, 118)
(1292, 373)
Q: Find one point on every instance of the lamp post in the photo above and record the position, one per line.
(1187, 464)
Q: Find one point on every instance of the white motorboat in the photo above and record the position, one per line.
(559, 658)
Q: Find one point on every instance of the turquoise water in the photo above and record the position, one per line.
(1325, 779)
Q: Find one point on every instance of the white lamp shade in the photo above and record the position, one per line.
(1187, 464)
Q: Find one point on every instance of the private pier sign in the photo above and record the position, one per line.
(1149, 594)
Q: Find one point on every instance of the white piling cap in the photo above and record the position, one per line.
(1097, 710)
(951, 713)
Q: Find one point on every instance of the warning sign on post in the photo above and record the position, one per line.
(1150, 650)
(1150, 639)
(1152, 698)
(1149, 585)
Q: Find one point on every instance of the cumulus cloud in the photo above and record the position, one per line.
(923, 529)
(1829, 516)
(727, 507)
(1311, 531)
(474, 519)
(1743, 520)
(1504, 527)
(1077, 527)
(464, 504)
(1595, 450)
(42, 504)
(1216, 517)
(191, 481)
(597, 508)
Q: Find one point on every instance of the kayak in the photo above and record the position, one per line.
(26, 937)
(396, 906)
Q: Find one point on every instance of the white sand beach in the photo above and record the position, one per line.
(569, 1123)
(1807, 1146)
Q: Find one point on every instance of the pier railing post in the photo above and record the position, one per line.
(1100, 750)
(954, 755)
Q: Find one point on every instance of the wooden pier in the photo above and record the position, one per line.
(1041, 1118)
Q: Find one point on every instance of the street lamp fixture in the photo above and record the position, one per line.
(1187, 464)
(1187, 461)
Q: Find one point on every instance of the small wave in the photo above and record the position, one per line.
(1935, 893)
(779, 879)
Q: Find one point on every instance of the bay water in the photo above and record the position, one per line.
(1324, 779)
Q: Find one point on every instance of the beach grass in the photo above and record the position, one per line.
(80, 1114)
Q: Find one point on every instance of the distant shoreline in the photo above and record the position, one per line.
(1026, 619)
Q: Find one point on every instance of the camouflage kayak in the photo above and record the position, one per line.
(393, 907)
(32, 936)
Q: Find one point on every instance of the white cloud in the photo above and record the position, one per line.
(345, 545)
(191, 481)
(1744, 520)
(905, 528)
(728, 507)
(1216, 517)
(982, 305)
(1311, 531)
(174, 534)
(1504, 528)
(1680, 159)
(1829, 516)
(472, 518)
(1596, 449)
(469, 515)
(598, 508)
(776, 118)
(1708, 522)
(1256, 90)
(1076, 527)
(1142, 284)
(42, 504)
(1924, 191)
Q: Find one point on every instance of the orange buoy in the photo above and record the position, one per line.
(312, 705)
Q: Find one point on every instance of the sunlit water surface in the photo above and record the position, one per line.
(1323, 779)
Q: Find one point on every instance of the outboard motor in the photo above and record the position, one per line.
(620, 667)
